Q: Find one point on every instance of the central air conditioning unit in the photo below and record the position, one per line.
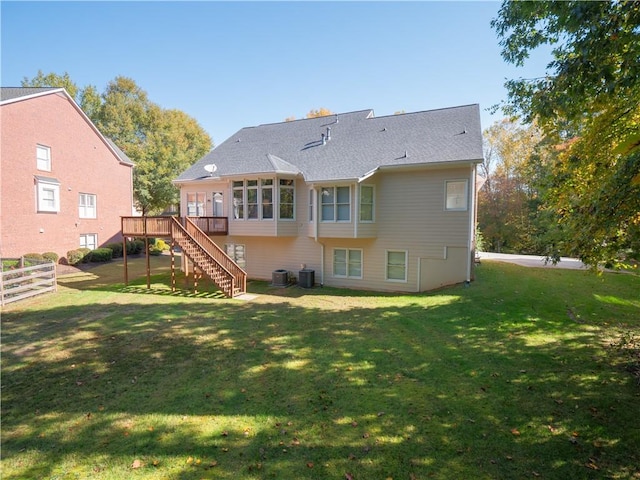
(280, 278)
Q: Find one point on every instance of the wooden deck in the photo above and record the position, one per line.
(161, 226)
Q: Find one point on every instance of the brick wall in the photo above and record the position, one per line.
(80, 161)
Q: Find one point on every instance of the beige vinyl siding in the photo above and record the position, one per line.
(264, 255)
(410, 216)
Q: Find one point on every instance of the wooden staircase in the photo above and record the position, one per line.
(209, 257)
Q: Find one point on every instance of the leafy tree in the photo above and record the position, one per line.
(174, 141)
(508, 201)
(321, 112)
(589, 105)
(160, 142)
(53, 80)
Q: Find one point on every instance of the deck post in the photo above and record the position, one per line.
(124, 252)
(195, 280)
(173, 266)
(146, 251)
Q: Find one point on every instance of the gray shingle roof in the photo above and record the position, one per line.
(13, 93)
(123, 156)
(359, 144)
(9, 94)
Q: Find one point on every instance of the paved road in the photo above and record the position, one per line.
(533, 261)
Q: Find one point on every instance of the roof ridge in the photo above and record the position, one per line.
(429, 111)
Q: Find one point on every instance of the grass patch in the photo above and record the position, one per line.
(512, 377)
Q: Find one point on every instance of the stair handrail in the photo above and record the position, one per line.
(177, 224)
(220, 275)
(217, 253)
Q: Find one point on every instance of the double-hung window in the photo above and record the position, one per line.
(87, 205)
(43, 158)
(238, 199)
(266, 185)
(287, 197)
(336, 204)
(237, 253)
(456, 195)
(252, 199)
(311, 204)
(396, 265)
(89, 240)
(347, 262)
(366, 203)
(196, 204)
(48, 194)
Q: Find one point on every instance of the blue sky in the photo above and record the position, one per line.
(236, 64)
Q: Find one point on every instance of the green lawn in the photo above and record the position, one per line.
(511, 377)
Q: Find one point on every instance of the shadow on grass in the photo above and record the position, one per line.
(485, 382)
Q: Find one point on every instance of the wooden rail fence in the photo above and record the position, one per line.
(20, 283)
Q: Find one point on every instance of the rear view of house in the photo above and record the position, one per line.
(381, 203)
(64, 185)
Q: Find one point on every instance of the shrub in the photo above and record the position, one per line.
(116, 248)
(135, 246)
(85, 252)
(33, 256)
(161, 245)
(100, 255)
(153, 250)
(74, 257)
(51, 256)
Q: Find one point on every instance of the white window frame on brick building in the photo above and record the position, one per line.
(43, 158)
(89, 240)
(87, 205)
(47, 194)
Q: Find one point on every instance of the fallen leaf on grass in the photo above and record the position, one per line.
(348, 476)
(310, 464)
(592, 464)
(137, 464)
(515, 431)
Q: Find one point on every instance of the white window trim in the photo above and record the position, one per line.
(86, 236)
(261, 188)
(466, 195)
(311, 204)
(200, 204)
(293, 206)
(359, 277)
(258, 188)
(335, 204)
(84, 208)
(373, 204)
(406, 266)
(47, 184)
(230, 250)
(47, 166)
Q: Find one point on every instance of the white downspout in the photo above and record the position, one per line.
(472, 217)
(315, 233)
(356, 218)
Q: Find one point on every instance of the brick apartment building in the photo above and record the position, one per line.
(63, 184)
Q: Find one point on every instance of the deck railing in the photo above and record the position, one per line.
(239, 275)
(161, 226)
